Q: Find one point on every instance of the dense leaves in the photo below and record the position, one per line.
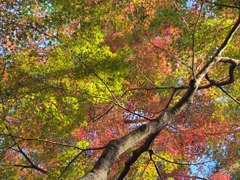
(77, 74)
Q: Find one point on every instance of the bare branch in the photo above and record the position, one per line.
(161, 49)
(228, 38)
(102, 115)
(15, 165)
(136, 153)
(64, 170)
(171, 56)
(151, 154)
(229, 60)
(53, 142)
(229, 95)
(25, 155)
(30, 162)
(170, 100)
(182, 17)
(193, 38)
(134, 113)
(65, 46)
(234, 63)
(222, 5)
(179, 163)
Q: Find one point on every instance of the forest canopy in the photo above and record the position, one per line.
(129, 89)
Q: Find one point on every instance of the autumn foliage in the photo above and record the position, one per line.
(80, 78)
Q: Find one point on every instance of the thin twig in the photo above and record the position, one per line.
(136, 154)
(156, 46)
(102, 115)
(69, 164)
(170, 100)
(15, 165)
(229, 95)
(182, 18)
(183, 164)
(193, 39)
(81, 61)
(36, 167)
(150, 154)
(53, 142)
(222, 5)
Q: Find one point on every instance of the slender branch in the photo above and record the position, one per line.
(69, 164)
(15, 165)
(168, 103)
(5, 149)
(165, 51)
(193, 38)
(159, 174)
(228, 38)
(30, 162)
(170, 100)
(159, 88)
(136, 121)
(161, 49)
(90, 69)
(179, 163)
(136, 154)
(182, 17)
(102, 115)
(25, 155)
(234, 63)
(229, 95)
(53, 142)
(81, 61)
(222, 5)
(132, 112)
(221, 133)
(192, 177)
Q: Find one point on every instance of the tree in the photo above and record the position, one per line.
(119, 89)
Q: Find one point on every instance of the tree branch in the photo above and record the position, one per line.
(179, 163)
(69, 164)
(234, 63)
(223, 5)
(151, 154)
(193, 38)
(53, 142)
(229, 95)
(15, 165)
(30, 162)
(161, 49)
(136, 154)
(65, 46)
(25, 155)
